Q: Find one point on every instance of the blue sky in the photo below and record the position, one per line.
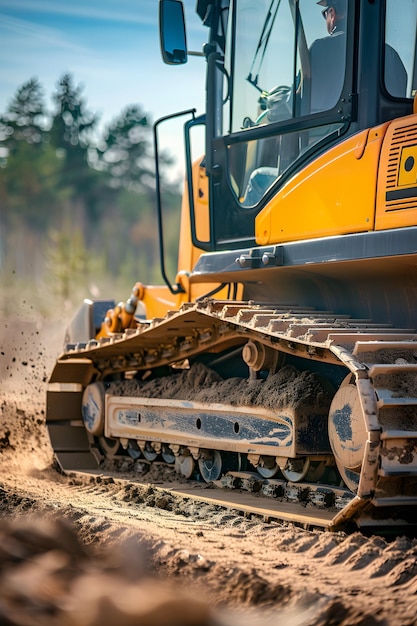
(111, 48)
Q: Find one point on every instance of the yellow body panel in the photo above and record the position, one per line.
(157, 300)
(397, 185)
(188, 254)
(333, 195)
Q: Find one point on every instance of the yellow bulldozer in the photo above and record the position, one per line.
(286, 345)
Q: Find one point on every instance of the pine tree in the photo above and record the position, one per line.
(72, 137)
(125, 154)
(72, 122)
(25, 118)
(30, 169)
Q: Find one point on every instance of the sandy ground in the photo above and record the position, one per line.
(91, 551)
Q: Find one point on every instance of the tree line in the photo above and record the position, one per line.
(77, 204)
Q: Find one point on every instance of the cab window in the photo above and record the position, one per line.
(287, 61)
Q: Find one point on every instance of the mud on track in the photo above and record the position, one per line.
(92, 551)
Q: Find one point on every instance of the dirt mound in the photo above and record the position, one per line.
(48, 577)
(287, 388)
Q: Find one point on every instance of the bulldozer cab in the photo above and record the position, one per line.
(283, 88)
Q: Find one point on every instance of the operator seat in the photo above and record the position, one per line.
(327, 62)
(395, 74)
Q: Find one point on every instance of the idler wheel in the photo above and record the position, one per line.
(92, 409)
(347, 433)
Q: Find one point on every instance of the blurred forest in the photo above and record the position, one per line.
(77, 206)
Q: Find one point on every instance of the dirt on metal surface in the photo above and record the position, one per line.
(84, 551)
(287, 388)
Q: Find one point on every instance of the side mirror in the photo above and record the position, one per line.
(172, 32)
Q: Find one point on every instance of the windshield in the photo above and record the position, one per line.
(277, 45)
(287, 60)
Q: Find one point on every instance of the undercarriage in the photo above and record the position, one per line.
(303, 405)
